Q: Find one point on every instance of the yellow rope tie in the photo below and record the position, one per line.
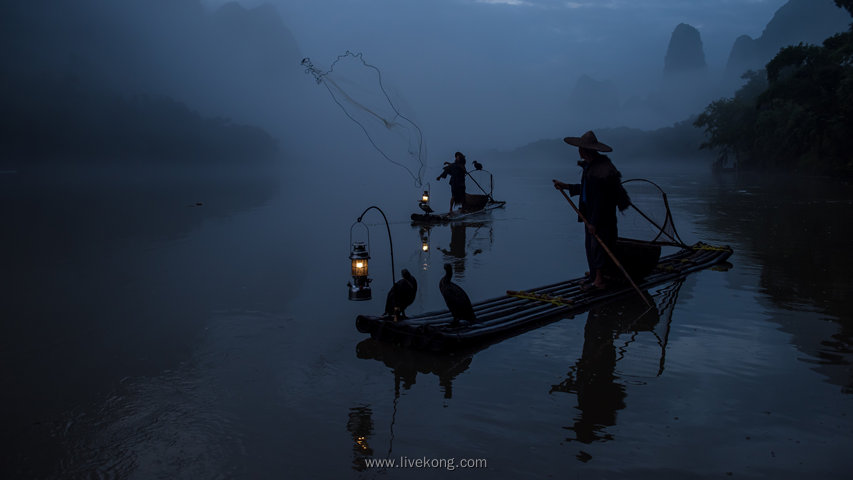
(705, 246)
(540, 297)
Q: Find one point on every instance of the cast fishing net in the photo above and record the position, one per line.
(649, 217)
(357, 88)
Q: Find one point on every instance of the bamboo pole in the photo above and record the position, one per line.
(606, 249)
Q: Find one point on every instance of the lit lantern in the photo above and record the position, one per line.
(425, 197)
(359, 288)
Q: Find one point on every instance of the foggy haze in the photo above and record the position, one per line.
(473, 74)
(180, 191)
(498, 73)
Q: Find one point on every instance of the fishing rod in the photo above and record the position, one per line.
(478, 185)
(606, 249)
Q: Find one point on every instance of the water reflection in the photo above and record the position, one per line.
(593, 378)
(466, 240)
(360, 426)
(104, 286)
(796, 228)
(610, 331)
(405, 364)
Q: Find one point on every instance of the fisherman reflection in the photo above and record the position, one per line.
(593, 378)
(457, 242)
(458, 248)
(360, 426)
(456, 252)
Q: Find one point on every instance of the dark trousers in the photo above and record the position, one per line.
(458, 194)
(596, 256)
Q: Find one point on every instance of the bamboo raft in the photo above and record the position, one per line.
(520, 311)
(458, 216)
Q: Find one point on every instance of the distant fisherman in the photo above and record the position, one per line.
(601, 192)
(457, 173)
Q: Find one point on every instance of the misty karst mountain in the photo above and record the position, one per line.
(807, 21)
(146, 79)
(685, 53)
(180, 77)
(684, 86)
(687, 83)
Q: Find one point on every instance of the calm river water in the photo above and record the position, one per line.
(170, 326)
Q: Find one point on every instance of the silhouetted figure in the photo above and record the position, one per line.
(601, 193)
(456, 299)
(477, 165)
(401, 295)
(457, 172)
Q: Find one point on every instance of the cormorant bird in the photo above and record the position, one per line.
(456, 299)
(478, 165)
(401, 295)
(426, 208)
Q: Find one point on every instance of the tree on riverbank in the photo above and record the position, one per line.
(794, 115)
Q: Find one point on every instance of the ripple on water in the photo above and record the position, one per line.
(165, 426)
(189, 422)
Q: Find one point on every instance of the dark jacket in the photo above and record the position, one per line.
(457, 174)
(601, 194)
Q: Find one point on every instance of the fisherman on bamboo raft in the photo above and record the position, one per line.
(601, 193)
(457, 173)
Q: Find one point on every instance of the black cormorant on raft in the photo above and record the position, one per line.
(401, 295)
(518, 311)
(455, 298)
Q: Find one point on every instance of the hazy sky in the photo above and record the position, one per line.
(595, 32)
(484, 54)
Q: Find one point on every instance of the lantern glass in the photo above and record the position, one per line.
(359, 267)
(425, 197)
(359, 256)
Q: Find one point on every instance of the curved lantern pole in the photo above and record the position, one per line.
(359, 288)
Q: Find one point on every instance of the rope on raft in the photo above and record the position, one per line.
(541, 297)
(705, 246)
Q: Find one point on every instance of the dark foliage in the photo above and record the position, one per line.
(795, 115)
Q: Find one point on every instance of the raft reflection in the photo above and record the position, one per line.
(611, 328)
(407, 363)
